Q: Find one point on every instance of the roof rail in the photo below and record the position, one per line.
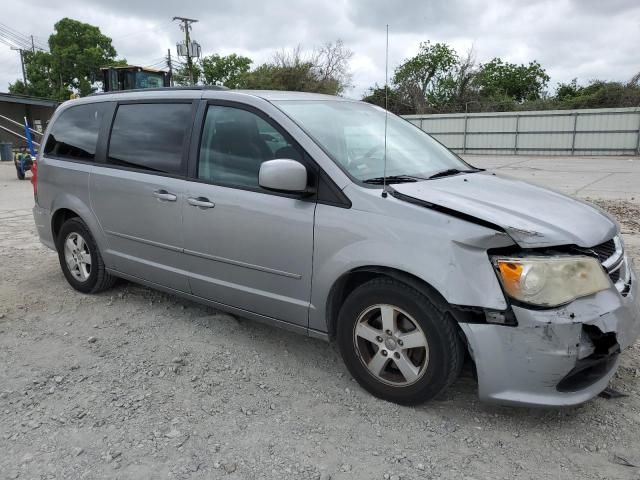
(162, 89)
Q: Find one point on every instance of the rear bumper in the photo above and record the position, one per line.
(42, 217)
(557, 357)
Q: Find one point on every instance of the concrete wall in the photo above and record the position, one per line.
(606, 131)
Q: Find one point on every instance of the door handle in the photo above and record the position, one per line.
(165, 196)
(200, 202)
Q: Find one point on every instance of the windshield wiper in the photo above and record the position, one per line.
(452, 171)
(392, 179)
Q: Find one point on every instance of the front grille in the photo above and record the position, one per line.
(604, 250)
(615, 276)
(611, 255)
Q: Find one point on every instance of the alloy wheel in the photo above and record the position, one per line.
(77, 256)
(391, 345)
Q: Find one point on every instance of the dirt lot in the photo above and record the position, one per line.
(133, 383)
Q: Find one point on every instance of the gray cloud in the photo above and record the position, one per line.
(417, 16)
(571, 38)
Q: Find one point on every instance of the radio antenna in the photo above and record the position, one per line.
(386, 114)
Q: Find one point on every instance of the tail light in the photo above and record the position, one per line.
(34, 178)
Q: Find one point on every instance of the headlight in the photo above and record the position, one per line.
(550, 281)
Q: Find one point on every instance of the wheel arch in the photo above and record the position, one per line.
(59, 217)
(352, 279)
(68, 206)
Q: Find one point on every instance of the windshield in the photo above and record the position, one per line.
(352, 134)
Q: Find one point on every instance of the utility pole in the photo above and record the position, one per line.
(24, 75)
(33, 45)
(185, 27)
(169, 64)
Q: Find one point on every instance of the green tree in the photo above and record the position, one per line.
(224, 70)
(463, 93)
(603, 94)
(326, 70)
(296, 77)
(41, 81)
(497, 79)
(392, 99)
(427, 77)
(182, 77)
(565, 91)
(331, 65)
(436, 80)
(77, 51)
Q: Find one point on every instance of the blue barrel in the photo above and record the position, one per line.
(6, 152)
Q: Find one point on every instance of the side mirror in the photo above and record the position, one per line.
(283, 175)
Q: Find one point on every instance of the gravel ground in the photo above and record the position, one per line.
(133, 383)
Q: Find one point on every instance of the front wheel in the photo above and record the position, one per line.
(80, 258)
(397, 343)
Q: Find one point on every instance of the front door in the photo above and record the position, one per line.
(244, 246)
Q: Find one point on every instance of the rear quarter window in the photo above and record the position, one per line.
(74, 133)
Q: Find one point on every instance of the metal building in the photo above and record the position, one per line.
(14, 108)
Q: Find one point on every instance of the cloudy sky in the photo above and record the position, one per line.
(586, 39)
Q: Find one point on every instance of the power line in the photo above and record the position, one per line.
(15, 42)
(14, 34)
(18, 39)
(6, 42)
(20, 42)
(29, 38)
(157, 62)
(161, 63)
(158, 59)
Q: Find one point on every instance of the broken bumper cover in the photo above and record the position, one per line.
(556, 357)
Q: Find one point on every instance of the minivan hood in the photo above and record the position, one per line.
(532, 216)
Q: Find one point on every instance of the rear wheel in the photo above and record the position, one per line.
(397, 343)
(80, 258)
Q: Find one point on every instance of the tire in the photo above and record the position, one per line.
(90, 276)
(437, 364)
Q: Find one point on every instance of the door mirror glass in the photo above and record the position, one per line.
(283, 175)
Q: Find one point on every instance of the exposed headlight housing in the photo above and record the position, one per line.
(550, 281)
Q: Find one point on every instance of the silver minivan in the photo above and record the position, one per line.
(329, 217)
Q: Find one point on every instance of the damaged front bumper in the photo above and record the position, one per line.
(556, 357)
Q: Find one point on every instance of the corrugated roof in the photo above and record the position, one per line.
(26, 100)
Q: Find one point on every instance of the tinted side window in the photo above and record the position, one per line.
(75, 132)
(234, 144)
(150, 136)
